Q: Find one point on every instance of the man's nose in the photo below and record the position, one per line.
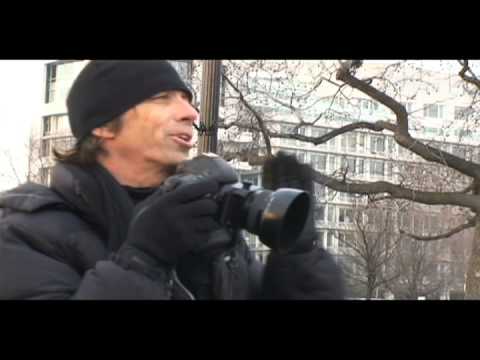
(188, 112)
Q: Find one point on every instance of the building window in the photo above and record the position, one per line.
(329, 239)
(345, 215)
(341, 240)
(361, 142)
(61, 143)
(418, 224)
(345, 239)
(332, 143)
(331, 163)
(349, 163)
(288, 129)
(389, 169)
(369, 105)
(391, 144)
(433, 111)
(46, 126)
(405, 221)
(330, 213)
(319, 190)
(339, 102)
(408, 106)
(317, 132)
(46, 149)
(251, 178)
(352, 142)
(459, 150)
(321, 239)
(360, 163)
(250, 239)
(343, 142)
(301, 131)
(261, 256)
(55, 124)
(319, 162)
(377, 144)
(463, 112)
(51, 83)
(476, 155)
(301, 156)
(45, 175)
(319, 213)
(377, 167)
(463, 133)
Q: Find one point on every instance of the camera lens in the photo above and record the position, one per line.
(278, 217)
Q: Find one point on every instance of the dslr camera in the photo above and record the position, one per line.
(277, 217)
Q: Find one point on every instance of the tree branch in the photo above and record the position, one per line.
(263, 129)
(399, 192)
(381, 198)
(377, 126)
(344, 75)
(469, 79)
(8, 155)
(402, 135)
(438, 156)
(469, 187)
(470, 223)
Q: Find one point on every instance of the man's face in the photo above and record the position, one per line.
(158, 131)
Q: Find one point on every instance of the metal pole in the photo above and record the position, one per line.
(210, 99)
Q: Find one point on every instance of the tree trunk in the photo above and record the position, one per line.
(370, 286)
(370, 291)
(472, 286)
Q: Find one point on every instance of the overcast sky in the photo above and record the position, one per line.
(21, 95)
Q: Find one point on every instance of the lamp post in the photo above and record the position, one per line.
(209, 105)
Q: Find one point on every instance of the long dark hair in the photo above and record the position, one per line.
(86, 150)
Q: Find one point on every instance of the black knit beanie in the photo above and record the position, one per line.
(105, 90)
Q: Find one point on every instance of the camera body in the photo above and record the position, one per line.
(277, 217)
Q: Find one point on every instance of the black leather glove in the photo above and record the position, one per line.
(285, 170)
(307, 271)
(213, 167)
(168, 225)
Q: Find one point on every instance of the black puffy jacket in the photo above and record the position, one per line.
(53, 246)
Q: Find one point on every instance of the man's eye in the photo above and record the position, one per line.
(161, 97)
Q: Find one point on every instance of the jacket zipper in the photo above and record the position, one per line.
(179, 283)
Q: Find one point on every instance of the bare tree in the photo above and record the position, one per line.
(260, 86)
(369, 249)
(417, 271)
(37, 163)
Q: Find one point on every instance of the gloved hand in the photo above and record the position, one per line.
(285, 170)
(213, 167)
(167, 225)
(307, 271)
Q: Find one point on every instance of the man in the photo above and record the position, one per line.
(104, 229)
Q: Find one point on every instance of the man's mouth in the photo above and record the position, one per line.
(184, 140)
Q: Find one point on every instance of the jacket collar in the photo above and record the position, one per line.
(80, 190)
(97, 197)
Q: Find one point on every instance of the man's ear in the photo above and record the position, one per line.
(103, 133)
